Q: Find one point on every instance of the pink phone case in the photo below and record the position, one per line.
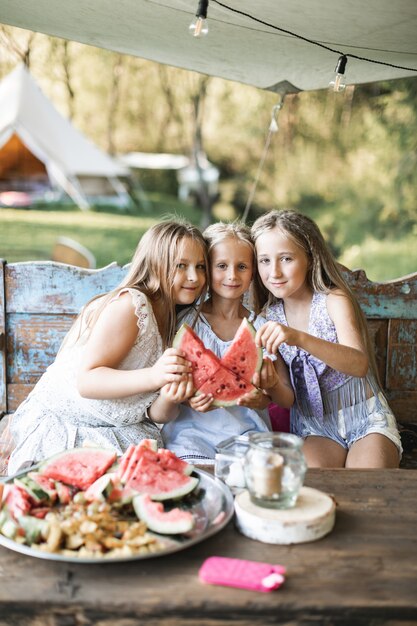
(219, 570)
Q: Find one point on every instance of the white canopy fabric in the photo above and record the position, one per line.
(237, 47)
(66, 153)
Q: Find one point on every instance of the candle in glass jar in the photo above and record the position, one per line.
(266, 473)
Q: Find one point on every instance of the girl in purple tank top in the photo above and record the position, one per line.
(316, 324)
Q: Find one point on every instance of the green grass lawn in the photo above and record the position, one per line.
(27, 235)
(383, 260)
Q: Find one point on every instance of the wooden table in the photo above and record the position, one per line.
(364, 572)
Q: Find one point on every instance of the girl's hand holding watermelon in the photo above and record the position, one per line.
(170, 367)
(202, 403)
(178, 392)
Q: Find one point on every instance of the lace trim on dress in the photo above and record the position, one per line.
(142, 306)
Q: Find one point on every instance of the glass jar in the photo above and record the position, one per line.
(229, 459)
(274, 469)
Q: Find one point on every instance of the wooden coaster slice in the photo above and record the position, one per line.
(312, 517)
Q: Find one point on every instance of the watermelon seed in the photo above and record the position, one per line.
(243, 358)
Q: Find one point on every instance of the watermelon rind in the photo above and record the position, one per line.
(32, 489)
(101, 489)
(173, 522)
(33, 528)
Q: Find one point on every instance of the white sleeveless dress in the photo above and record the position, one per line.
(193, 436)
(54, 417)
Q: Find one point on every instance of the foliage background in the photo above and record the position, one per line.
(347, 160)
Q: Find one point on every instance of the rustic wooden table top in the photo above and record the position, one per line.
(364, 572)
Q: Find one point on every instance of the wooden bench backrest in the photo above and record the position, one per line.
(38, 303)
(39, 300)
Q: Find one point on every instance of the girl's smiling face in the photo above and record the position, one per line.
(282, 264)
(190, 272)
(231, 263)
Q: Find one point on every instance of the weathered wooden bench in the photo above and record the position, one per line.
(39, 301)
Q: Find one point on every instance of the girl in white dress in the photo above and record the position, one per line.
(197, 428)
(103, 386)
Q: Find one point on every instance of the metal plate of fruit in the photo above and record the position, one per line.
(87, 506)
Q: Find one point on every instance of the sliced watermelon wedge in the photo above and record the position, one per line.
(78, 467)
(101, 489)
(243, 357)
(204, 362)
(226, 387)
(173, 522)
(229, 378)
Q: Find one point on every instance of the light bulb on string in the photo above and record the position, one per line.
(199, 25)
(273, 126)
(338, 82)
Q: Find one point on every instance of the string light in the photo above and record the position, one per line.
(338, 82)
(199, 25)
(316, 43)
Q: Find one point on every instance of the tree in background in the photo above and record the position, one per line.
(348, 160)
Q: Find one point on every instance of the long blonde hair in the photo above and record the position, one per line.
(152, 271)
(323, 272)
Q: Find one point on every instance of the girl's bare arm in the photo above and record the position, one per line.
(110, 341)
(347, 356)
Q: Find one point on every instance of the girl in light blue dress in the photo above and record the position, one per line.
(198, 428)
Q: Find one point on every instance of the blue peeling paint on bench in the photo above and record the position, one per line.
(39, 301)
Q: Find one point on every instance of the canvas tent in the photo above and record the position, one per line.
(243, 43)
(39, 147)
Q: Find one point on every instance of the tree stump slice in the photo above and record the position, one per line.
(310, 519)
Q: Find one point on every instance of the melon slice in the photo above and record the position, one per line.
(169, 460)
(161, 484)
(204, 362)
(226, 387)
(46, 484)
(78, 467)
(173, 522)
(101, 489)
(161, 474)
(229, 378)
(243, 357)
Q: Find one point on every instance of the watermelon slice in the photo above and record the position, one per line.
(229, 378)
(101, 489)
(243, 357)
(226, 387)
(160, 474)
(173, 522)
(204, 362)
(78, 467)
